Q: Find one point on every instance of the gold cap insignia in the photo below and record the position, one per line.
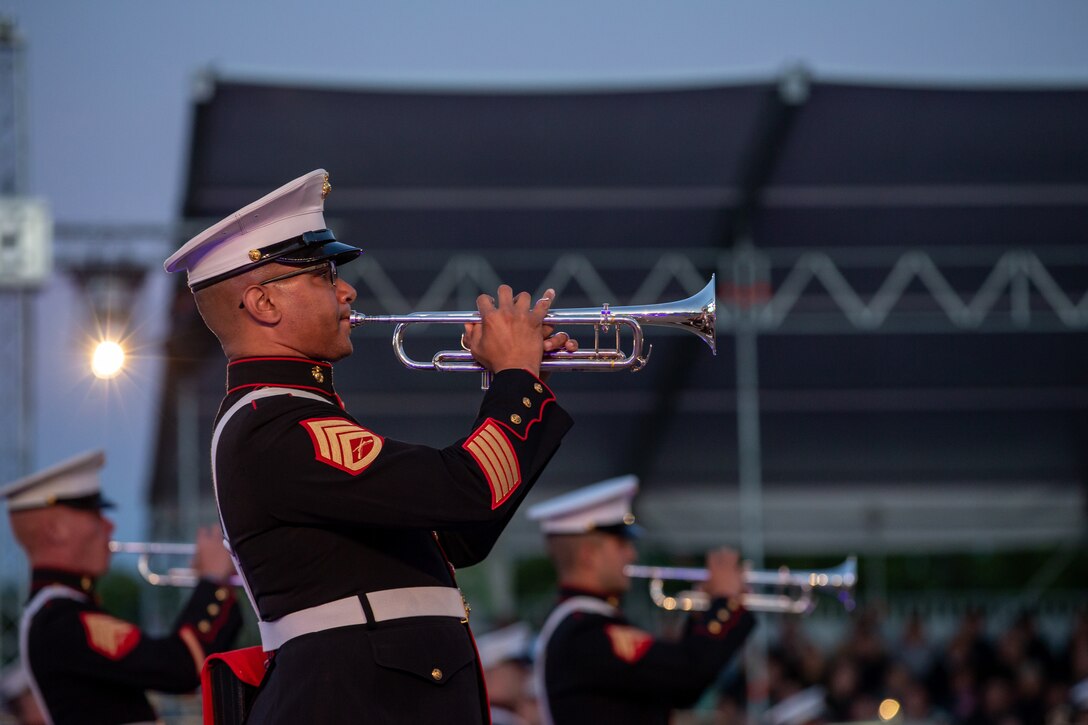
(318, 375)
(254, 255)
(326, 187)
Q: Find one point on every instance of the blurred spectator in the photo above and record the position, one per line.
(507, 665)
(843, 687)
(17, 698)
(914, 649)
(1014, 677)
(866, 648)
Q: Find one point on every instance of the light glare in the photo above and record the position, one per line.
(888, 709)
(107, 360)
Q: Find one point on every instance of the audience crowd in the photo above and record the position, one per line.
(1012, 677)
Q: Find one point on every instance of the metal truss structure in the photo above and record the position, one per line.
(784, 291)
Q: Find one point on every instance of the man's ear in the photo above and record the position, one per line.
(259, 304)
(589, 552)
(56, 529)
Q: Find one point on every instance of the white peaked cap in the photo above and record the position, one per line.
(513, 642)
(602, 505)
(73, 482)
(270, 229)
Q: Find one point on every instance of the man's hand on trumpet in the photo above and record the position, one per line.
(725, 573)
(512, 334)
(211, 559)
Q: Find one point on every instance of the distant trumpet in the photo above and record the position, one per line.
(839, 580)
(174, 576)
(696, 314)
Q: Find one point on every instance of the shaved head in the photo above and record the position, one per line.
(218, 305)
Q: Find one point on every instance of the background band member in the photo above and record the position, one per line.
(506, 658)
(592, 664)
(347, 539)
(85, 665)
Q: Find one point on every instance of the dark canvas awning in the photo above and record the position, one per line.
(641, 194)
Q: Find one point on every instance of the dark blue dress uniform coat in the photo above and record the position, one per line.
(91, 668)
(318, 508)
(599, 668)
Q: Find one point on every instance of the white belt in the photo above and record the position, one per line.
(386, 604)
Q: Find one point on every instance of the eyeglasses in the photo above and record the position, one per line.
(327, 268)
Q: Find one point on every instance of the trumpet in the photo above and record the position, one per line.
(172, 577)
(695, 314)
(839, 580)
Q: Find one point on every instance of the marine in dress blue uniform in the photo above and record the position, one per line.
(593, 665)
(348, 540)
(506, 657)
(85, 665)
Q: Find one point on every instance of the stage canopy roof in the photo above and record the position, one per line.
(908, 263)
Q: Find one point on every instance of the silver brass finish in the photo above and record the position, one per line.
(839, 580)
(696, 314)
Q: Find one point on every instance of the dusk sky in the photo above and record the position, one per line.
(109, 86)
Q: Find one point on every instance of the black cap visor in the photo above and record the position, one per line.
(91, 502)
(305, 249)
(631, 531)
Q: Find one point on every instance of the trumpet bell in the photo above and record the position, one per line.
(696, 314)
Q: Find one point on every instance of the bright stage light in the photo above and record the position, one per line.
(108, 359)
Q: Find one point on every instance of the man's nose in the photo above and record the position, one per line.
(346, 290)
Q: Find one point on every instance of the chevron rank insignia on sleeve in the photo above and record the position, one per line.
(628, 643)
(109, 636)
(343, 444)
(495, 456)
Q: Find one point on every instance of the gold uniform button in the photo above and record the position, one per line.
(714, 627)
(515, 419)
(436, 674)
(204, 626)
(527, 403)
(723, 614)
(213, 609)
(221, 594)
(538, 387)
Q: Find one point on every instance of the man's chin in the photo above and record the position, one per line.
(341, 353)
